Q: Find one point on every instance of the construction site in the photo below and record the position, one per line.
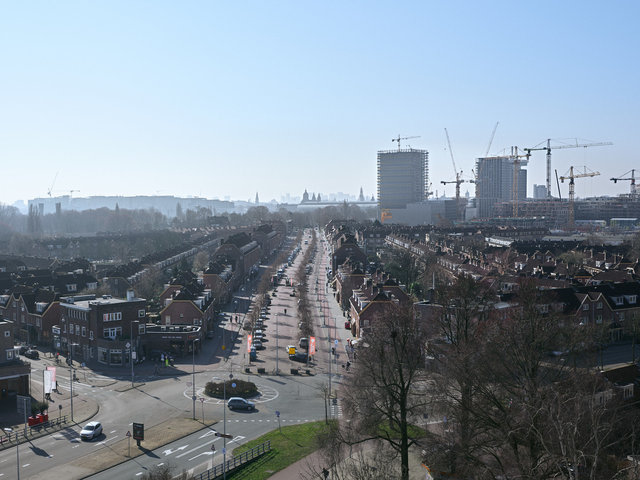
(500, 183)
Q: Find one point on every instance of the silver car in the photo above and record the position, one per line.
(91, 430)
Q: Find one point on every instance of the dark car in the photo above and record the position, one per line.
(239, 403)
(299, 357)
(32, 354)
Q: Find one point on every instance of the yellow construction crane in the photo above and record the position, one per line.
(548, 149)
(458, 179)
(571, 176)
(632, 178)
(402, 138)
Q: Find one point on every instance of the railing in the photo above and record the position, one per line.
(235, 462)
(8, 439)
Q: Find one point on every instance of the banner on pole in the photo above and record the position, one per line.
(47, 381)
(312, 345)
(53, 377)
(249, 338)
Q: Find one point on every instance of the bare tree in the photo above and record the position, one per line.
(380, 398)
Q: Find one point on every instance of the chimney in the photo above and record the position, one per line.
(130, 295)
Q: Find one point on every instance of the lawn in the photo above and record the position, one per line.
(288, 446)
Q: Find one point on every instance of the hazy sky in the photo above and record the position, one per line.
(232, 98)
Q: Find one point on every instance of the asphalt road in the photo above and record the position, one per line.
(297, 398)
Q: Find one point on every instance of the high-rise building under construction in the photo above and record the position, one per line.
(495, 182)
(403, 177)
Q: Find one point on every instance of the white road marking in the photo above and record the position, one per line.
(200, 454)
(112, 431)
(192, 450)
(107, 440)
(160, 464)
(26, 465)
(169, 451)
(138, 474)
(208, 434)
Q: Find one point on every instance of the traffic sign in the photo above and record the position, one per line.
(224, 451)
(277, 414)
(128, 433)
(336, 342)
(202, 399)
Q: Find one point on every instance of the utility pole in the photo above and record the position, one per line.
(193, 376)
(277, 349)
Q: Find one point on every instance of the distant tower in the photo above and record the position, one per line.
(373, 199)
(313, 198)
(257, 200)
(305, 196)
(403, 176)
(318, 199)
(361, 197)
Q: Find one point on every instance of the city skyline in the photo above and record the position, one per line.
(223, 101)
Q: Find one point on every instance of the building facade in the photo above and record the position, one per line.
(495, 182)
(403, 177)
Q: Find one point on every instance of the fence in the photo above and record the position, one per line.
(8, 439)
(235, 462)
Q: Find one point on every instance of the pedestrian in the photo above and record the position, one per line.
(162, 358)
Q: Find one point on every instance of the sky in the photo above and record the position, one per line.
(226, 99)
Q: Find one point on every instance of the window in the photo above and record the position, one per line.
(84, 331)
(112, 317)
(90, 334)
(112, 333)
(7, 333)
(9, 354)
(599, 319)
(71, 328)
(141, 313)
(77, 329)
(585, 306)
(167, 319)
(72, 287)
(141, 329)
(627, 392)
(621, 316)
(599, 305)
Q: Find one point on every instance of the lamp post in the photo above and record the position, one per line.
(277, 349)
(224, 428)
(131, 348)
(71, 376)
(9, 431)
(193, 377)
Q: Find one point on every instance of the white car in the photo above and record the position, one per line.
(91, 430)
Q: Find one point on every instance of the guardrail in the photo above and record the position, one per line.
(18, 435)
(235, 462)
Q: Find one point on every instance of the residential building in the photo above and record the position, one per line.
(14, 373)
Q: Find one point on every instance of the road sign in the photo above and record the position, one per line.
(202, 399)
(127, 345)
(128, 433)
(277, 414)
(224, 451)
(223, 435)
(336, 342)
(233, 385)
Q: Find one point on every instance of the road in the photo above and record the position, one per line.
(155, 399)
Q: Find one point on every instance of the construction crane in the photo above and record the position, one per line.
(548, 149)
(402, 138)
(458, 179)
(53, 183)
(571, 176)
(632, 178)
(493, 134)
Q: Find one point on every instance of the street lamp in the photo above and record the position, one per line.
(131, 347)
(224, 428)
(277, 349)
(193, 375)
(9, 431)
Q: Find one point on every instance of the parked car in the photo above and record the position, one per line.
(347, 324)
(238, 403)
(23, 349)
(32, 354)
(299, 357)
(91, 430)
(257, 343)
(304, 342)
